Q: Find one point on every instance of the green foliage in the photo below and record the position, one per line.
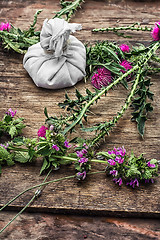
(5, 158)
(140, 104)
(117, 30)
(19, 40)
(68, 8)
(104, 54)
(11, 126)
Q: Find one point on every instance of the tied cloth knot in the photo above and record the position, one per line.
(54, 36)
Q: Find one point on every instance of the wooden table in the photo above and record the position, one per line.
(96, 208)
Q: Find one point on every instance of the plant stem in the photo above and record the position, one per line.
(141, 64)
(72, 7)
(12, 200)
(115, 29)
(96, 97)
(120, 114)
(75, 159)
(35, 195)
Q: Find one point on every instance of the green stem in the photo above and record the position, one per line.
(96, 97)
(69, 8)
(141, 64)
(75, 159)
(13, 199)
(120, 114)
(23, 209)
(18, 214)
(43, 184)
(115, 29)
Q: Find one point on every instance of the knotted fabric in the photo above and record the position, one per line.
(59, 59)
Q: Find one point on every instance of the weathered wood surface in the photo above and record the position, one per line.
(97, 194)
(45, 226)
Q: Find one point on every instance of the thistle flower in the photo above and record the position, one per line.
(5, 26)
(11, 113)
(133, 182)
(101, 78)
(127, 65)
(42, 131)
(156, 32)
(124, 48)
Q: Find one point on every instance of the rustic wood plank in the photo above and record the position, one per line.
(45, 226)
(97, 194)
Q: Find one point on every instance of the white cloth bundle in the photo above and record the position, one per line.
(59, 59)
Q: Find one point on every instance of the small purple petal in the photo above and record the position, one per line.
(54, 146)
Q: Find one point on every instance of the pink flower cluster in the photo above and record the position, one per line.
(117, 157)
(124, 48)
(127, 65)
(101, 78)
(11, 113)
(42, 131)
(81, 176)
(133, 183)
(54, 146)
(156, 32)
(82, 154)
(5, 26)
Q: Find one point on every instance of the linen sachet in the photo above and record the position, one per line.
(59, 59)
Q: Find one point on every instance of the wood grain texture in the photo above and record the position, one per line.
(56, 227)
(97, 194)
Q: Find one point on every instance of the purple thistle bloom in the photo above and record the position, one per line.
(42, 131)
(11, 113)
(5, 26)
(151, 165)
(112, 162)
(119, 181)
(127, 65)
(54, 146)
(101, 78)
(81, 176)
(114, 172)
(156, 32)
(83, 160)
(124, 48)
(79, 154)
(66, 144)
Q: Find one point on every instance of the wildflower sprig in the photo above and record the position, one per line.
(129, 169)
(11, 125)
(19, 40)
(117, 30)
